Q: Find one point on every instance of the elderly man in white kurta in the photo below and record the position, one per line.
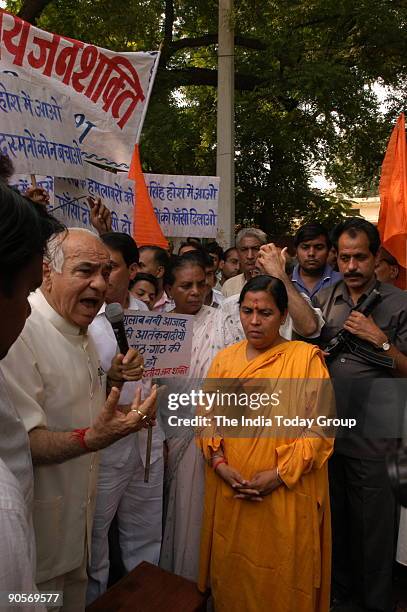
(53, 378)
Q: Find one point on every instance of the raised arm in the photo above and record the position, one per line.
(307, 321)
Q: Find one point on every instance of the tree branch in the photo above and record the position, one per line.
(204, 76)
(31, 9)
(212, 39)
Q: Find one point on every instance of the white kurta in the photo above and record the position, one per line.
(234, 285)
(15, 452)
(121, 488)
(15, 445)
(16, 573)
(53, 380)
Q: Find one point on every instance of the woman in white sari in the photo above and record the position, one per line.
(185, 476)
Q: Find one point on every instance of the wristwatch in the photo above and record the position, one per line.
(385, 346)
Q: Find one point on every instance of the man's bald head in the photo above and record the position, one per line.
(58, 244)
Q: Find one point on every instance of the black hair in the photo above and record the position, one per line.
(25, 228)
(145, 276)
(227, 252)
(215, 249)
(354, 226)
(388, 257)
(310, 231)
(201, 256)
(270, 284)
(124, 244)
(178, 262)
(6, 168)
(161, 256)
(195, 245)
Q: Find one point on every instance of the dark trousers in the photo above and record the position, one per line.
(363, 531)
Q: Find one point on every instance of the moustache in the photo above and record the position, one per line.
(349, 275)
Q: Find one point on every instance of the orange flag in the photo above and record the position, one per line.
(392, 224)
(146, 229)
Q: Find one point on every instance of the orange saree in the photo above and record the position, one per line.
(276, 554)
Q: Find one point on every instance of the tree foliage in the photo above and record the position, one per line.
(306, 77)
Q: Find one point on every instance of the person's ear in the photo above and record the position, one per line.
(134, 268)
(160, 272)
(47, 276)
(394, 272)
(284, 316)
(167, 290)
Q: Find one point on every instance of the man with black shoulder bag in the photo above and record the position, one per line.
(365, 341)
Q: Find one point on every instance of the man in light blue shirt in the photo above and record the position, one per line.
(313, 272)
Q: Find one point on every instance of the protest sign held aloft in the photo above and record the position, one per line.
(109, 91)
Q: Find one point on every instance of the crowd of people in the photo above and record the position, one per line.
(292, 522)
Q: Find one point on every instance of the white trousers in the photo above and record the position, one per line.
(138, 505)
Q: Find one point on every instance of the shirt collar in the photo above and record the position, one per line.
(39, 302)
(164, 299)
(342, 291)
(326, 274)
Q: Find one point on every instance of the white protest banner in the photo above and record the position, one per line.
(116, 191)
(197, 217)
(109, 90)
(164, 340)
(199, 196)
(185, 205)
(35, 129)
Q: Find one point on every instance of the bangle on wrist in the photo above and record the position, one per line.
(79, 435)
(212, 457)
(218, 462)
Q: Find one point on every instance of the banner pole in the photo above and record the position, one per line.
(147, 100)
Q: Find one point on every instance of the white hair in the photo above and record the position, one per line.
(253, 232)
(55, 247)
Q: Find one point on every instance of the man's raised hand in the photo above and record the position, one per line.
(112, 424)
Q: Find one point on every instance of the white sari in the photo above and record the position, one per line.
(185, 475)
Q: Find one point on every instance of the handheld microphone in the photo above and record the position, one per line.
(115, 315)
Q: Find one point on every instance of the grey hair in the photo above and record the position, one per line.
(55, 247)
(254, 232)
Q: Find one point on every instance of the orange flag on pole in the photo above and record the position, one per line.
(392, 224)
(146, 229)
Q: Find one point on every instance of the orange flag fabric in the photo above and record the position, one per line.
(146, 229)
(392, 224)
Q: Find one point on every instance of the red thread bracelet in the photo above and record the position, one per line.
(79, 434)
(218, 462)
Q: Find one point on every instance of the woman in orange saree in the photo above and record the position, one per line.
(266, 542)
